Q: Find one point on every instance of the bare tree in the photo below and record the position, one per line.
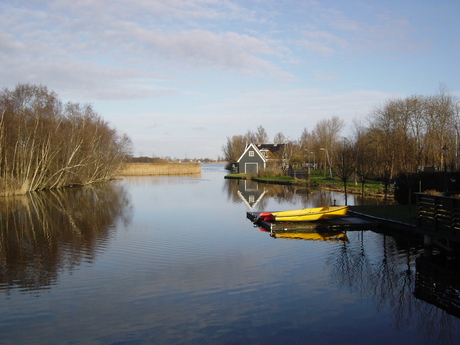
(279, 138)
(345, 158)
(44, 145)
(234, 148)
(441, 133)
(386, 132)
(261, 136)
(365, 154)
(327, 133)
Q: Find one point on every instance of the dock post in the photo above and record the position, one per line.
(427, 245)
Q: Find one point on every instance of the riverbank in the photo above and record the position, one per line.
(374, 189)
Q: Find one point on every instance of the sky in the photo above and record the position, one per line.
(179, 77)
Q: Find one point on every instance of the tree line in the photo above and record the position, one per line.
(402, 136)
(46, 144)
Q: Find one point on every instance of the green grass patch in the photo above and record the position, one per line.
(276, 178)
(239, 176)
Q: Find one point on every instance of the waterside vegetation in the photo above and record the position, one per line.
(45, 144)
(160, 169)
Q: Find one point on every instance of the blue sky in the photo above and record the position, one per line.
(180, 76)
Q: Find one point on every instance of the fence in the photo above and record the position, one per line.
(301, 174)
(439, 216)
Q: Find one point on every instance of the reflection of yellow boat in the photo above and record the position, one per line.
(313, 236)
(307, 214)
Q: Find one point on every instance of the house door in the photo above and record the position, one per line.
(251, 168)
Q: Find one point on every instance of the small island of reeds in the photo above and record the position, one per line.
(160, 169)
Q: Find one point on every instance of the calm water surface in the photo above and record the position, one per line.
(175, 261)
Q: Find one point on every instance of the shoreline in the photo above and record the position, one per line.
(333, 186)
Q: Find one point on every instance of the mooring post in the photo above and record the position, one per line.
(427, 245)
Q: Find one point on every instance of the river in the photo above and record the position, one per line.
(174, 260)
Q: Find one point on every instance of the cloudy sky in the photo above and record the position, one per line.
(180, 76)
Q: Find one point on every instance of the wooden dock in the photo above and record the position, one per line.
(437, 220)
(345, 223)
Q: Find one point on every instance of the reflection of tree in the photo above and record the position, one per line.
(231, 187)
(45, 232)
(389, 277)
(438, 283)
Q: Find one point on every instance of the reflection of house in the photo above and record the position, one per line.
(256, 157)
(250, 192)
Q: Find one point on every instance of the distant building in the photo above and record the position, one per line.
(252, 160)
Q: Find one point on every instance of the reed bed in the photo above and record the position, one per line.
(152, 169)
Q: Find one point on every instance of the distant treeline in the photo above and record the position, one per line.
(143, 159)
(45, 144)
(402, 136)
(158, 160)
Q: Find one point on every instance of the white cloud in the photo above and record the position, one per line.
(87, 43)
(339, 20)
(323, 42)
(332, 31)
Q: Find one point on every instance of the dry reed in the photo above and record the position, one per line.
(168, 169)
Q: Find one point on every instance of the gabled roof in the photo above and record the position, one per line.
(256, 150)
(270, 147)
(271, 151)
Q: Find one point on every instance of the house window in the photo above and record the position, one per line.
(251, 153)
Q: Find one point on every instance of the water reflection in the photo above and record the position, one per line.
(140, 272)
(250, 193)
(389, 269)
(438, 282)
(312, 236)
(386, 270)
(257, 196)
(43, 233)
(162, 180)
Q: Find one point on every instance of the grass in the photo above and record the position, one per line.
(279, 178)
(239, 176)
(164, 169)
(276, 178)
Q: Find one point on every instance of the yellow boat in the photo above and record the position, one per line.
(307, 214)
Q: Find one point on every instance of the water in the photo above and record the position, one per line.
(175, 261)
